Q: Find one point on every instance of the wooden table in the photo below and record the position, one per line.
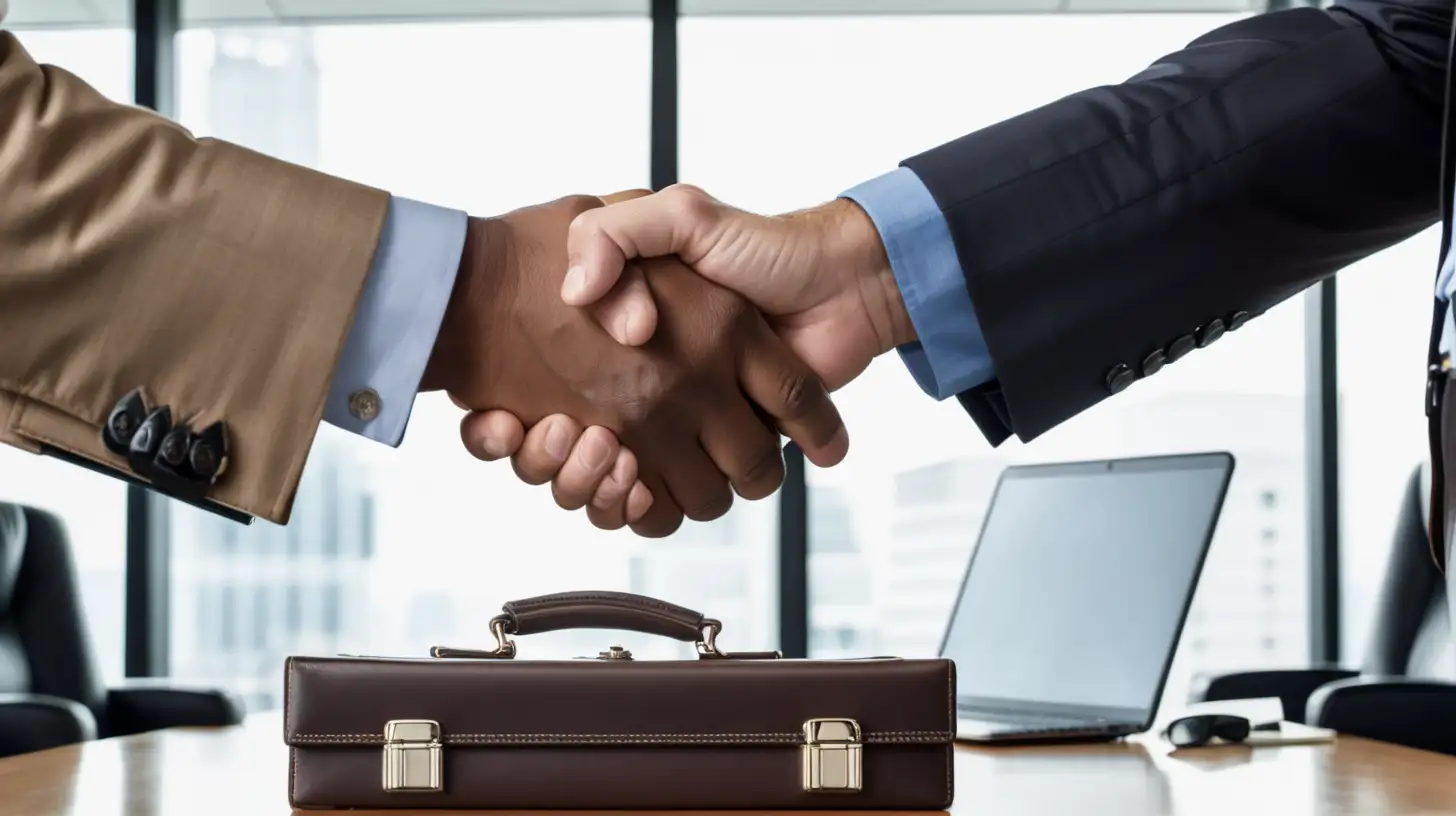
(215, 772)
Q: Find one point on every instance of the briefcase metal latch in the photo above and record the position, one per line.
(832, 755)
(412, 760)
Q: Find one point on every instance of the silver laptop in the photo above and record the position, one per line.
(1075, 597)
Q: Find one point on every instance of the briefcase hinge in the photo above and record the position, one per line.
(833, 756)
(412, 756)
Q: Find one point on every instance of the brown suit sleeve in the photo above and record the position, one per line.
(219, 281)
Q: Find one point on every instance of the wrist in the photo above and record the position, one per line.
(478, 285)
(855, 247)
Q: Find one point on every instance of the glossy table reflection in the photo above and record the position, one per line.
(207, 772)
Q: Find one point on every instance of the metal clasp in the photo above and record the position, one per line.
(833, 755)
(708, 646)
(412, 760)
(505, 648)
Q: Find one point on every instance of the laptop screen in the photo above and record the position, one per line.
(1078, 588)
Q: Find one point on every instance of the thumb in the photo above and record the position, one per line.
(621, 301)
(594, 261)
(635, 224)
(628, 312)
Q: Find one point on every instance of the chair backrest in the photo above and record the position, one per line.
(14, 666)
(45, 647)
(1411, 633)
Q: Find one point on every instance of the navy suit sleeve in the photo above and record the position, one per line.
(1106, 234)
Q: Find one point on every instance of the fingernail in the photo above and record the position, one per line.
(493, 446)
(594, 451)
(626, 321)
(558, 442)
(639, 501)
(574, 284)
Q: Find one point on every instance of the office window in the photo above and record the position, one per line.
(827, 102)
(366, 527)
(208, 619)
(425, 541)
(333, 608)
(293, 610)
(228, 540)
(227, 626)
(92, 506)
(1384, 305)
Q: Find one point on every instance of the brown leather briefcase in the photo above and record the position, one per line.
(485, 730)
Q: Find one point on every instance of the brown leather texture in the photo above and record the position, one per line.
(602, 610)
(599, 734)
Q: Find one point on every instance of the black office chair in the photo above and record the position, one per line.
(1401, 694)
(50, 690)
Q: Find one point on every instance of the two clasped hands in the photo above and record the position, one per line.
(644, 352)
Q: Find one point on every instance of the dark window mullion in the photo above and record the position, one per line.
(155, 24)
(1322, 454)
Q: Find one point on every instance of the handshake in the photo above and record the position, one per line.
(644, 352)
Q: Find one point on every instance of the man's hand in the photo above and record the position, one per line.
(586, 467)
(694, 404)
(821, 275)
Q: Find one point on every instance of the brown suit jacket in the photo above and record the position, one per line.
(219, 281)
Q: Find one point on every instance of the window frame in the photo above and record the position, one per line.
(156, 23)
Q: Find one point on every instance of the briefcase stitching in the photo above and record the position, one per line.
(783, 738)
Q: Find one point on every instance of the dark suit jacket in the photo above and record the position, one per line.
(1112, 231)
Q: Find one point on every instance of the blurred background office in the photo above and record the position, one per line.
(487, 105)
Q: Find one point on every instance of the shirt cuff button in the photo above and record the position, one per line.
(364, 404)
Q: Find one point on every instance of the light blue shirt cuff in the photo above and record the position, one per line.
(398, 318)
(950, 355)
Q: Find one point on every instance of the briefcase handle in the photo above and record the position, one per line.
(598, 610)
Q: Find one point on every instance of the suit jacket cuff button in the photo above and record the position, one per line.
(122, 423)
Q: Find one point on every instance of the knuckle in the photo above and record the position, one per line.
(797, 393)
(764, 472)
(604, 520)
(661, 520)
(683, 190)
(711, 506)
(690, 200)
(566, 498)
(528, 472)
(577, 205)
(658, 529)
